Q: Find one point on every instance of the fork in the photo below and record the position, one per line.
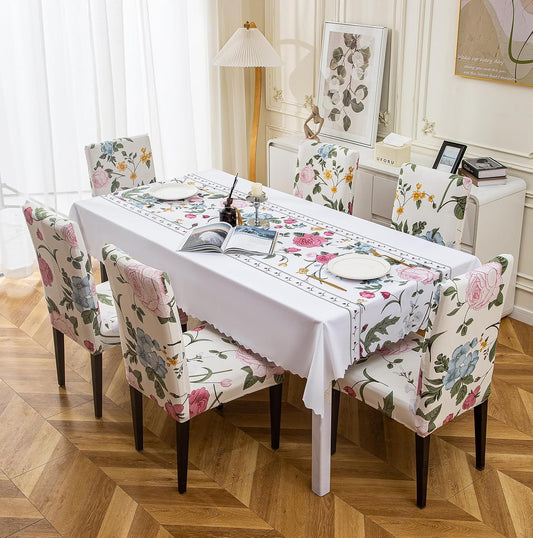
(376, 253)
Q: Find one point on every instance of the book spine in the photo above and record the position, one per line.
(470, 168)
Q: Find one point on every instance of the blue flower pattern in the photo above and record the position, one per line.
(324, 150)
(82, 294)
(145, 349)
(107, 148)
(462, 363)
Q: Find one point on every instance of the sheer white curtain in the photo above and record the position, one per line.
(81, 71)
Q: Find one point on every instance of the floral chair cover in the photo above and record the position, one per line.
(185, 373)
(431, 204)
(79, 309)
(325, 174)
(120, 164)
(424, 383)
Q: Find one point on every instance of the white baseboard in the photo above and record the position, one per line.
(521, 314)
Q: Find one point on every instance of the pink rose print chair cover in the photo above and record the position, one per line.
(431, 204)
(118, 164)
(79, 309)
(425, 382)
(326, 174)
(186, 373)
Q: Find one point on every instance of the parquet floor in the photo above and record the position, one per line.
(64, 473)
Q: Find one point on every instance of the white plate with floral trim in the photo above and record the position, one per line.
(172, 191)
(358, 266)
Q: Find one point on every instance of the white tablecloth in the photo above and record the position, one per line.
(307, 327)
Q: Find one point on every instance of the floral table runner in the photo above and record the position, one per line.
(381, 310)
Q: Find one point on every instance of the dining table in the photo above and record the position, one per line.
(290, 306)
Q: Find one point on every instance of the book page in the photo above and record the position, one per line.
(208, 238)
(251, 240)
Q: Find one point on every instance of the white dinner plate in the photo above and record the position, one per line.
(172, 191)
(358, 266)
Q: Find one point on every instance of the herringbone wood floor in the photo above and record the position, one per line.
(64, 473)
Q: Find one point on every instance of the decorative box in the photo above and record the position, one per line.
(393, 155)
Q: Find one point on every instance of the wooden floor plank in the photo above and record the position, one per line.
(57, 460)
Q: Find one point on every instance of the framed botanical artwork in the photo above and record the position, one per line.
(350, 78)
(449, 157)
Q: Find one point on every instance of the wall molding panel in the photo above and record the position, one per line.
(491, 118)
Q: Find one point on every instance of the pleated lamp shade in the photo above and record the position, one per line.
(247, 47)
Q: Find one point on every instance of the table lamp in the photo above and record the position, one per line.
(248, 47)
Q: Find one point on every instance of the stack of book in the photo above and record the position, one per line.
(484, 171)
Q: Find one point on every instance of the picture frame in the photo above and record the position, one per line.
(449, 157)
(350, 80)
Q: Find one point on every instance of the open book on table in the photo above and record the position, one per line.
(222, 237)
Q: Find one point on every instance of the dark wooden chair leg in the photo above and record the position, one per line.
(480, 428)
(422, 463)
(103, 273)
(96, 373)
(182, 449)
(335, 401)
(136, 400)
(59, 347)
(276, 392)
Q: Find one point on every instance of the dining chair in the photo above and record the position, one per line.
(186, 373)
(431, 204)
(426, 382)
(120, 164)
(326, 174)
(78, 308)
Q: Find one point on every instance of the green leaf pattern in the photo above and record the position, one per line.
(120, 164)
(325, 174)
(431, 204)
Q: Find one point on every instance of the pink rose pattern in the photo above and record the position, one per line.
(307, 174)
(309, 241)
(69, 235)
(147, 284)
(484, 285)
(46, 273)
(198, 400)
(418, 273)
(100, 178)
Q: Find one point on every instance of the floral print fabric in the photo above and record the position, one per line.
(120, 164)
(431, 204)
(79, 309)
(326, 174)
(185, 373)
(424, 383)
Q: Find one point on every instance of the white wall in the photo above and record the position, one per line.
(492, 118)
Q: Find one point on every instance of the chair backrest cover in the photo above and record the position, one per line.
(150, 330)
(326, 174)
(431, 204)
(67, 276)
(120, 164)
(459, 351)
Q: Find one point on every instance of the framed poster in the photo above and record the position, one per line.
(495, 40)
(350, 78)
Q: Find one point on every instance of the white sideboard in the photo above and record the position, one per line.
(494, 214)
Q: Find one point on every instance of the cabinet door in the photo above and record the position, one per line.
(281, 168)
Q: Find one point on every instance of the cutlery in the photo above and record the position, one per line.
(376, 253)
(326, 282)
